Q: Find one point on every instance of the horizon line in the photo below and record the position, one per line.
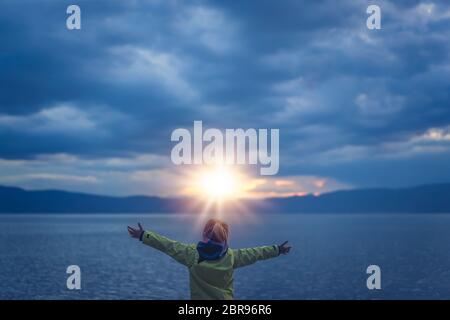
(307, 194)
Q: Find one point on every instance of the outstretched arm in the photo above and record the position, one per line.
(183, 253)
(245, 257)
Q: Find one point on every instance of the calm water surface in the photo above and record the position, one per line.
(328, 261)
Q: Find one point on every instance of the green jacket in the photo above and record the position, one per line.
(209, 279)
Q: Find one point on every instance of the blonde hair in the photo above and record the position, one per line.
(216, 230)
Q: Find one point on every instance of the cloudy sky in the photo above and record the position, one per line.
(92, 110)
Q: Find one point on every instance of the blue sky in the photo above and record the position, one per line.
(92, 109)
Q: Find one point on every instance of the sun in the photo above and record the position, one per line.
(219, 191)
(218, 183)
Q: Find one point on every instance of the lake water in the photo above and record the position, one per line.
(328, 261)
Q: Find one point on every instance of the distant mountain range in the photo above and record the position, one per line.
(434, 198)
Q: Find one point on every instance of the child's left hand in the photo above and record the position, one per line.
(136, 233)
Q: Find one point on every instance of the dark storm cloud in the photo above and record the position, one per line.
(138, 69)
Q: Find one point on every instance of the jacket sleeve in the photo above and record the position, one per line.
(245, 257)
(181, 252)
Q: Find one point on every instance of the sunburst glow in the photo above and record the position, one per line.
(219, 191)
(218, 183)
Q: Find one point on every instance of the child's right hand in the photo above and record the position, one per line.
(284, 248)
(136, 233)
